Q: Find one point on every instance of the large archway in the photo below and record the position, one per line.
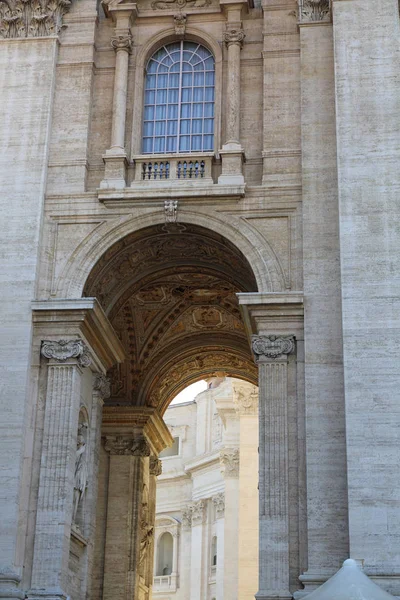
(170, 294)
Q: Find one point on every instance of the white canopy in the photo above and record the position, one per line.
(349, 583)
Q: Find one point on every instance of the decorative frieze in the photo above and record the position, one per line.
(229, 462)
(122, 41)
(155, 466)
(180, 24)
(64, 350)
(314, 10)
(272, 346)
(102, 386)
(126, 445)
(219, 505)
(170, 4)
(198, 512)
(234, 35)
(31, 18)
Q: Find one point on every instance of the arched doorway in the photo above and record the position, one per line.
(169, 292)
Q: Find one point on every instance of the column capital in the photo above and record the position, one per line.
(314, 11)
(63, 350)
(219, 504)
(126, 445)
(234, 34)
(155, 466)
(122, 41)
(229, 462)
(272, 347)
(187, 516)
(102, 386)
(198, 512)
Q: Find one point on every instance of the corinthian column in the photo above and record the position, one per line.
(271, 353)
(57, 469)
(115, 158)
(232, 152)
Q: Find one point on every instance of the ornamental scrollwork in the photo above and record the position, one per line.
(32, 18)
(155, 466)
(314, 10)
(64, 350)
(272, 346)
(126, 445)
(122, 41)
(102, 386)
(234, 35)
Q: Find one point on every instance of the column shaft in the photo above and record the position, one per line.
(119, 100)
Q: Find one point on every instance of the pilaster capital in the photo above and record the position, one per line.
(102, 386)
(155, 466)
(64, 350)
(272, 347)
(313, 11)
(187, 516)
(198, 511)
(126, 445)
(219, 504)
(28, 18)
(122, 41)
(229, 462)
(246, 400)
(234, 34)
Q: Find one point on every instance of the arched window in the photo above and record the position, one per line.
(179, 100)
(165, 554)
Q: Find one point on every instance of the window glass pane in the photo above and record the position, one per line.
(187, 56)
(159, 145)
(186, 111)
(160, 127)
(197, 126)
(149, 113)
(210, 94)
(148, 128)
(152, 67)
(162, 81)
(147, 144)
(185, 126)
(184, 143)
(197, 110)
(172, 127)
(171, 144)
(173, 111)
(161, 97)
(208, 109)
(198, 79)
(208, 125)
(209, 64)
(196, 142)
(210, 78)
(186, 94)
(175, 68)
(149, 97)
(208, 143)
(173, 80)
(198, 94)
(187, 79)
(186, 67)
(150, 81)
(161, 112)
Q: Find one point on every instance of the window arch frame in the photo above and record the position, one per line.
(148, 49)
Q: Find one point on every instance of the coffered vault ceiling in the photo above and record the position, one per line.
(169, 292)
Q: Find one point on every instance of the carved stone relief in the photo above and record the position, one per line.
(180, 20)
(64, 350)
(155, 466)
(229, 461)
(126, 445)
(219, 505)
(81, 467)
(314, 10)
(187, 517)
(32, 18)
(198, 512)
(272, 346)
(168, 4)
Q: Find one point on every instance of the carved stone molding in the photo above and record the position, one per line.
(169, 4)
(272, 346)
(314, 10)
(234, 35)
(180, 24)
(219, 504)
(102, 385)
(64, 350)
(32, 18)
(246, 401)
(198, 512)
(187, 517)
(126, 445)
(171, 211)
(122, 41)
(229, 462)
(155, 466)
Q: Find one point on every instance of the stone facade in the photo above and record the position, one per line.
(271, 256)
(207, 508)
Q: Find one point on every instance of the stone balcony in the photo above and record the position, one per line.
(166, 176)
(165, 583)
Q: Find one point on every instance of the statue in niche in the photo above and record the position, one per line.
(81, 469)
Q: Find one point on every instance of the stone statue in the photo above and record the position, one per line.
(145, 543)
(81, 470)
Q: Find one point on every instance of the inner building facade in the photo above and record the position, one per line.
(197, 189)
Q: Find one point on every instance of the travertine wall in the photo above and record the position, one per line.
(27, 78)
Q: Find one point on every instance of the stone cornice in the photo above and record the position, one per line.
(32, 19)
